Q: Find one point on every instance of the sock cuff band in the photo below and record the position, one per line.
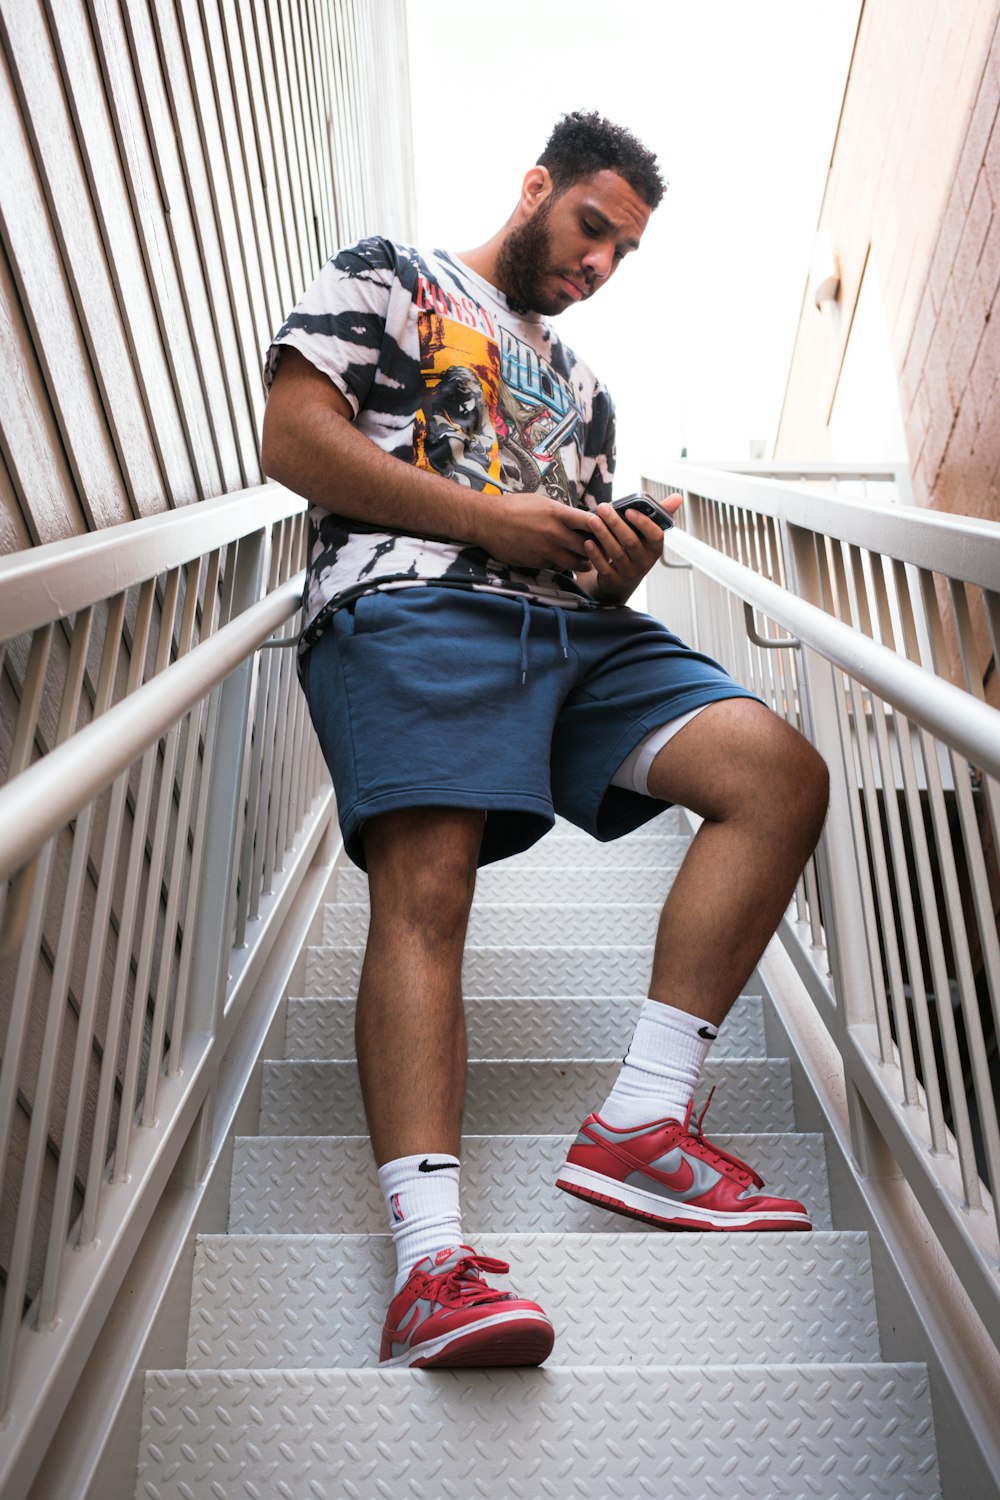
(658, 1013)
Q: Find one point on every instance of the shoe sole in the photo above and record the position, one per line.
(505, 1339)
(634, 1203)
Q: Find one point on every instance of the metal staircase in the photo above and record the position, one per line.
(177, 817)
(685, 1365)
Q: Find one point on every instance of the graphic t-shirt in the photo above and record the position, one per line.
(443, 372)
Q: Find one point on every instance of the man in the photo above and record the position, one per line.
(470, 664)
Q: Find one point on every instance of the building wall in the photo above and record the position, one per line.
(914, 176)
(174, 175)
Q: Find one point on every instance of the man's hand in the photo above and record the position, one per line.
(621, 552)
(529, 530)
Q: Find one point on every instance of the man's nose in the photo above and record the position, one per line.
(599, 261)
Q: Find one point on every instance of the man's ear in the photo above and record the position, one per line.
(535, 188)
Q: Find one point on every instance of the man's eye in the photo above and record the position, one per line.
(590, 229)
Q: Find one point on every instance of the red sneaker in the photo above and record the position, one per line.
(446, 1316)
(667, 1173)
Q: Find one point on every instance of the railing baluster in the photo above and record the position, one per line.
(79, 1078)
(116, 1000)
(130, 900)
(253, 809)
(26, 900)
(884, 608)
(158, 807)
(973, 681)
(277, 842)
(197, 748)
(992, 601)
(158, 864)
(41, 1104)
(857, 577)
(210, 933)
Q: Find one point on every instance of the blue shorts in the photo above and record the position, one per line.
(439, 697)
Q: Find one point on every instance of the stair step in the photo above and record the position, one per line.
(516, 970)
(324, 1098)
(318, 1301)
(310, 1184)
(673, 820)
(707, 1431)
(508, 881)
(658, 850)
(524, 923)
(548, 1026)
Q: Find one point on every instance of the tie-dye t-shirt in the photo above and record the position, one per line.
(442, 371)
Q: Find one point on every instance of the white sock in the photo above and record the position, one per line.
(421, 1195)
(661, 1068)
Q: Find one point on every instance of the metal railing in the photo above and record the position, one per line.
(160, 774)
(875, 629)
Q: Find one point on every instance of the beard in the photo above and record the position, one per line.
(525, 259)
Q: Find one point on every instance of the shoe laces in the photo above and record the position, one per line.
(464, 1285)
(715, 1154)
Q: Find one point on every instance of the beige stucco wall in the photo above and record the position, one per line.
(914, 178)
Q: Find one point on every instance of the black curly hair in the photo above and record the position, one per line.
(584, 142)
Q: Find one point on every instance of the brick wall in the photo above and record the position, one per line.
(951, 367)
(914, 178)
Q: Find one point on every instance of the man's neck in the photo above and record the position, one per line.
(483, 260)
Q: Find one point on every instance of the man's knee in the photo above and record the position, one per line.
(787, 782)
(802, 779)
(422, 868)
(739, 758)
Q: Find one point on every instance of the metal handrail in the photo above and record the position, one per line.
(50, 792)
(958, 546)
(50, 582)
(971, 726)
(893, 930)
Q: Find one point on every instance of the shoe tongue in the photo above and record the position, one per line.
(446, 1260)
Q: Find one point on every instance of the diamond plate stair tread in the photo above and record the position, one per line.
(529, 924)
(577, 848)
(318, 1301)
(671, 820)
(546, 1026)
(506, 971)
(324, 1098)
(310, 1184)
(826, 1432)
(571, 882)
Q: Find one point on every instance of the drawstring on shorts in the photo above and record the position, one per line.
(526, 629)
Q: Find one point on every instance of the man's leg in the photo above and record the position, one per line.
(412, 1060)
(761, 790)
(410, 1024)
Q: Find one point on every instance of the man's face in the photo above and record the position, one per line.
(571, 243)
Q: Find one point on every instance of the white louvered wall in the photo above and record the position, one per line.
(174, 174)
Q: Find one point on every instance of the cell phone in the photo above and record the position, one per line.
(647, 505)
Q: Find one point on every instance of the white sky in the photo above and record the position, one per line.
(738, 98)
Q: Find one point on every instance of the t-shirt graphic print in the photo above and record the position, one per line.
(444, 373)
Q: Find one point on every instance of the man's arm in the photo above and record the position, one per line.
(311, 446)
